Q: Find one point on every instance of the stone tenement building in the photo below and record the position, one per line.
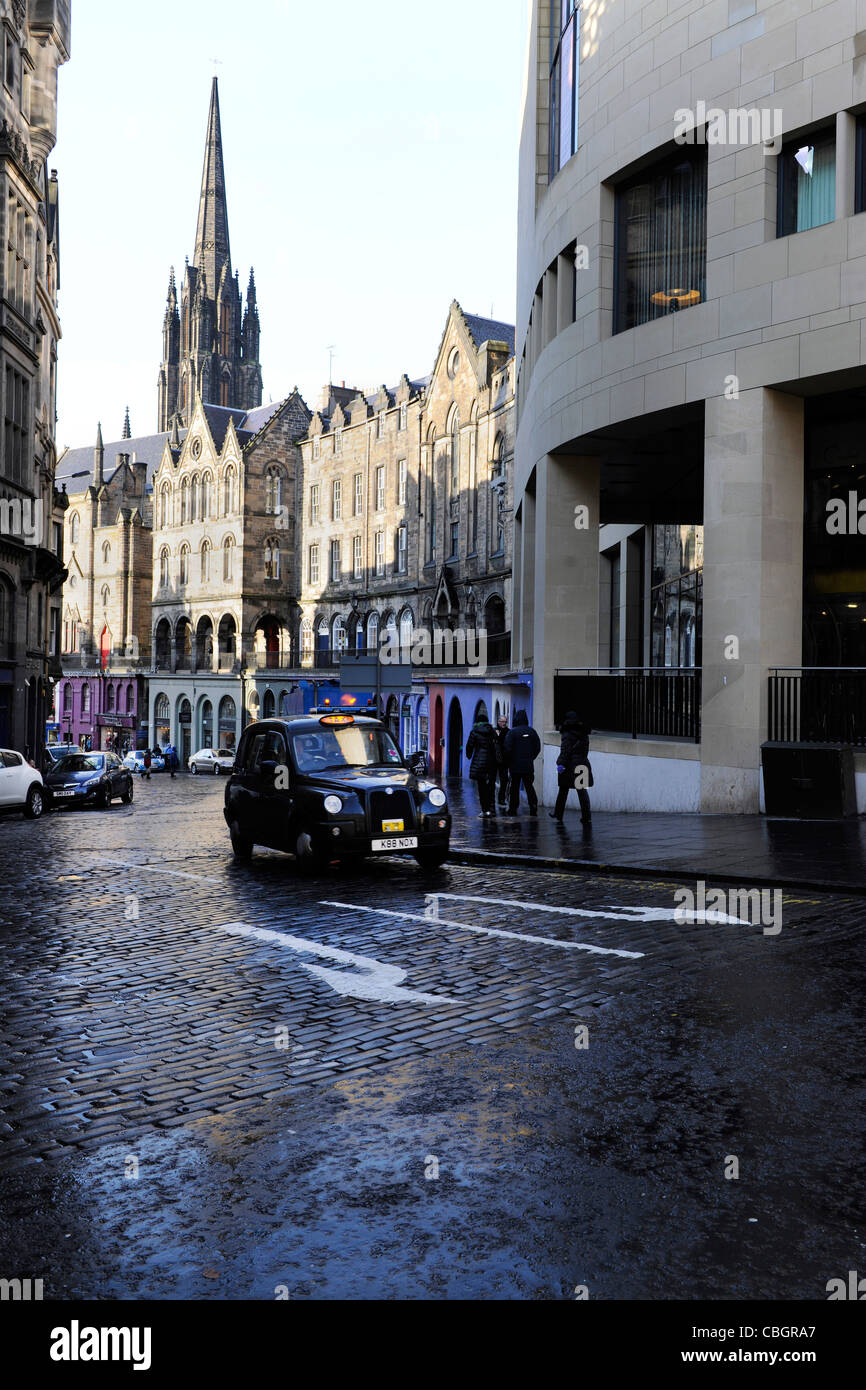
(407, 498)
(34, 42)
(224, 610)
(210, 348)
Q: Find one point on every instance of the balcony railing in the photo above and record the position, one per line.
(644, 703)
(818, 705)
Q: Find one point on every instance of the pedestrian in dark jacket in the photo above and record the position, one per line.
(481, 748)
(522, 747)
(148, 763)
(503, 772)
(573, 760)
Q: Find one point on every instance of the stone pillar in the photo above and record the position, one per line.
(566, 589)
(753, 583)
(526, 597)
(846, 146)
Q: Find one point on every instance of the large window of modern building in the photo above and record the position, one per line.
(677, 595)
(661, 240)
(564, 65)
(807, 182)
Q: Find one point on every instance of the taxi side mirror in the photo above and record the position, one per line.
(268, 769)
(417, 764)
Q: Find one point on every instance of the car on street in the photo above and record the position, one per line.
(55, 751)
(333, 787)
(89, 779)
(135, 763)
(21, 786)
(212, 760)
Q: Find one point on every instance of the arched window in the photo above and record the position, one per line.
(497, 467)
(194, 499)
(455, 452)
(162, 709)
(164, 506)
(74, 529)
(373, 632)
(407, 629)
(164, 568)
(130, 699)
(206, 496)
(106, 554)
(110, 695)
(205, 562)
(106, 595)
(229, 492)
(67, 699)
(184, 565)
(184, 503)
(228, 559)
(272, 559)
(273, 492)
(269, 705)
(85, 698)
(340, 637)
(306, 638)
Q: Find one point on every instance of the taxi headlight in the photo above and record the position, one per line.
(333, 805)
(438, 797)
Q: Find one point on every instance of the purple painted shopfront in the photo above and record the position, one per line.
(101, 710)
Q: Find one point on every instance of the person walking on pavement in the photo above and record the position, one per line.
(501, 732)
(573, 759)
(522, 747)
(481, 747)
(173, 762)
(148, 763)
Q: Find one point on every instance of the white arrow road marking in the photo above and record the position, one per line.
(379, 981)
(614, 914)
(491, 931)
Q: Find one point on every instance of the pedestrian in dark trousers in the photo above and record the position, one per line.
(574, 758)
(148, 763)
(481, 747)
(503, 770)
(173, 762)
(522, 747)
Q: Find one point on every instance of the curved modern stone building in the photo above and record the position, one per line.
(690, 491)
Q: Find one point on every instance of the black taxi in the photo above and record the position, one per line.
(333, 786)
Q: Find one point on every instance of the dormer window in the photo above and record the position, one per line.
(317, 447)
(404, 417)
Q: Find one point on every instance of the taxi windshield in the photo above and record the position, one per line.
(80, 764)
(353, 746)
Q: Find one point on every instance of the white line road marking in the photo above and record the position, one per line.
(614, 914)
(491, 931)
(149, 868)
(380, 982)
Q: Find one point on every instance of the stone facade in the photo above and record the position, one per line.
(34, 42)
(414, 486)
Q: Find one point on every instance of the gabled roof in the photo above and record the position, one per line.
(490, 330)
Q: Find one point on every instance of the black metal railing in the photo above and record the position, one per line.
(817, 705)
(644, 703)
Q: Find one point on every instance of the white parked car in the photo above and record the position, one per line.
(212, 760)
(21, 787)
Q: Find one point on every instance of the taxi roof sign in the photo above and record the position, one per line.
(337, 720)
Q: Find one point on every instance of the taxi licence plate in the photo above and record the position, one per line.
(393, 827)
(399, 842)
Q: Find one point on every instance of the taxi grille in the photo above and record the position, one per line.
(385, 808)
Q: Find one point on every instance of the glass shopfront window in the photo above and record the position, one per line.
(834, 558)
(677, 596)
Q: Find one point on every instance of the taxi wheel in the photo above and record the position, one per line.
(243, 849)
(432, 858)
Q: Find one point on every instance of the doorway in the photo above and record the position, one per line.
(438, 724)
(455, 739)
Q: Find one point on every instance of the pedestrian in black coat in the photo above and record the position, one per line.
(504, 775)
(522, 747)
(573, 759)
(481, 748)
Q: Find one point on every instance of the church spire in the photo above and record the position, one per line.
(127, 427)
(99, 460)
(212, 251)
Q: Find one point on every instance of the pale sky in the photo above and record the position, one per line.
(371, 168)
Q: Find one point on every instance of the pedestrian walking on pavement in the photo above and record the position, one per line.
(148, 763)
(173, 762)
(481, 748)
(522, 747)
(503, 772)
(573, 759)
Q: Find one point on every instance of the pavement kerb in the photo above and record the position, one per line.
(459, 855)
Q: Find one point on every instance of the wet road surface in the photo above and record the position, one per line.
(236, 1081)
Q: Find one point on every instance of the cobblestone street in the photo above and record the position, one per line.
(220, 1080)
